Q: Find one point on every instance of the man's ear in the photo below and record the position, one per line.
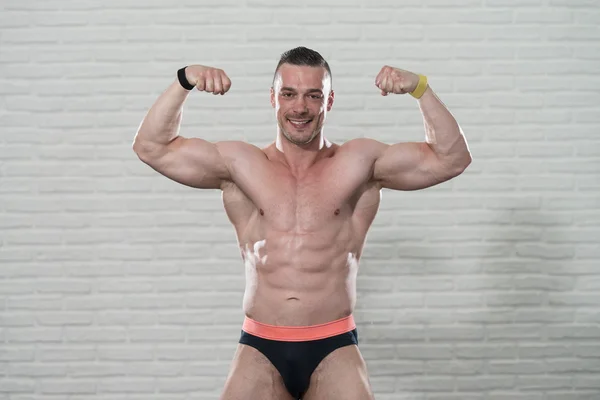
(272, 97)
(330, 99)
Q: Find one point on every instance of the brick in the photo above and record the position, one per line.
(546, 382)
(515, 332)
(16, 353)
(484, 383)
(129, 385)
(587, 350)
(485, 317)
(580, 395)
(544, 350)
(460, 368)
(520, 367)
(584, 382)
(178, 385)
(453, 300)
(16, 385)
(95, 335)
(67, 353)
(425, 384)
(486, 351)
(39, 371)
(544, 315)
(395, 368)
(33, 335)
(544, 283)
(424, 316)
(125, 352)
(581, 332)
(589, 316)
(460, 333)
(420, 352)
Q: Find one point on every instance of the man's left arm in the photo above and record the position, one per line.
(443, 155)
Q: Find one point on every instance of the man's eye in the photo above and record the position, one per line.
(286, 94)
(316, 97)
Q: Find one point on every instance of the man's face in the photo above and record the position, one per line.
(301, 96)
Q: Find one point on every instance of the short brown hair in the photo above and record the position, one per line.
(302, 56)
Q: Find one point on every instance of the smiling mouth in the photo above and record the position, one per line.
(300, 123)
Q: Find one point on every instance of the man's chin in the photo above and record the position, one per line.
(299, 141)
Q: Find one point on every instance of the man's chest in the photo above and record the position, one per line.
(321, 197)
(305, 205)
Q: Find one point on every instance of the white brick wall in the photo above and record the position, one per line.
(119, 284)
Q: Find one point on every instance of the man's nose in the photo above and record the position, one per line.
(300, 105)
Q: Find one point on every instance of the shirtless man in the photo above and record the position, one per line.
(301, 208)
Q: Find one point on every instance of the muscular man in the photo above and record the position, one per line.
(301, 208)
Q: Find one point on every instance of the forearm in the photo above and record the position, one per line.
(443, 134)
(161, 123)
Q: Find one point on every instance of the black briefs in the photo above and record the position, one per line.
(296, 361)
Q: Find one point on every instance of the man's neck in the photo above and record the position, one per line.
(300, 158)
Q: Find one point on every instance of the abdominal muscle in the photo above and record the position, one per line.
(299, 279)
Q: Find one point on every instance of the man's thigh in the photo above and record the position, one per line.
(341, 375)
(252, 376)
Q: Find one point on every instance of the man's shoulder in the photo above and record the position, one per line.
(241, 148)
(362, 146)
(361, 142)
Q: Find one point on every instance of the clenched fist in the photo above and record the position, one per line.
(208, 79)
(395, 80)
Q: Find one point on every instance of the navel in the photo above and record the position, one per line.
(262, 212)
(337, 211)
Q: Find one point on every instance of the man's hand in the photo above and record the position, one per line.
(395, 80)
(208, 79)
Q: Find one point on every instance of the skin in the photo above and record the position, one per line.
(301, 209)
(309, 214)
(304, 225)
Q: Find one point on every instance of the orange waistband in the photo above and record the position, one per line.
(299, 333)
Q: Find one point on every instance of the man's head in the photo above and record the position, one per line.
(301, 92)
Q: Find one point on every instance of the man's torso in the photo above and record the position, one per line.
(301, 237)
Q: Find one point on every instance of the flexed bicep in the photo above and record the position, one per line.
(192, 162)
(410, 166)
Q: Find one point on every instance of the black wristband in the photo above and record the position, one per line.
(183, 80)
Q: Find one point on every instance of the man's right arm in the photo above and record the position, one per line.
(193, 162)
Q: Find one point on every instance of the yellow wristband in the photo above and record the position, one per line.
(421, 87)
